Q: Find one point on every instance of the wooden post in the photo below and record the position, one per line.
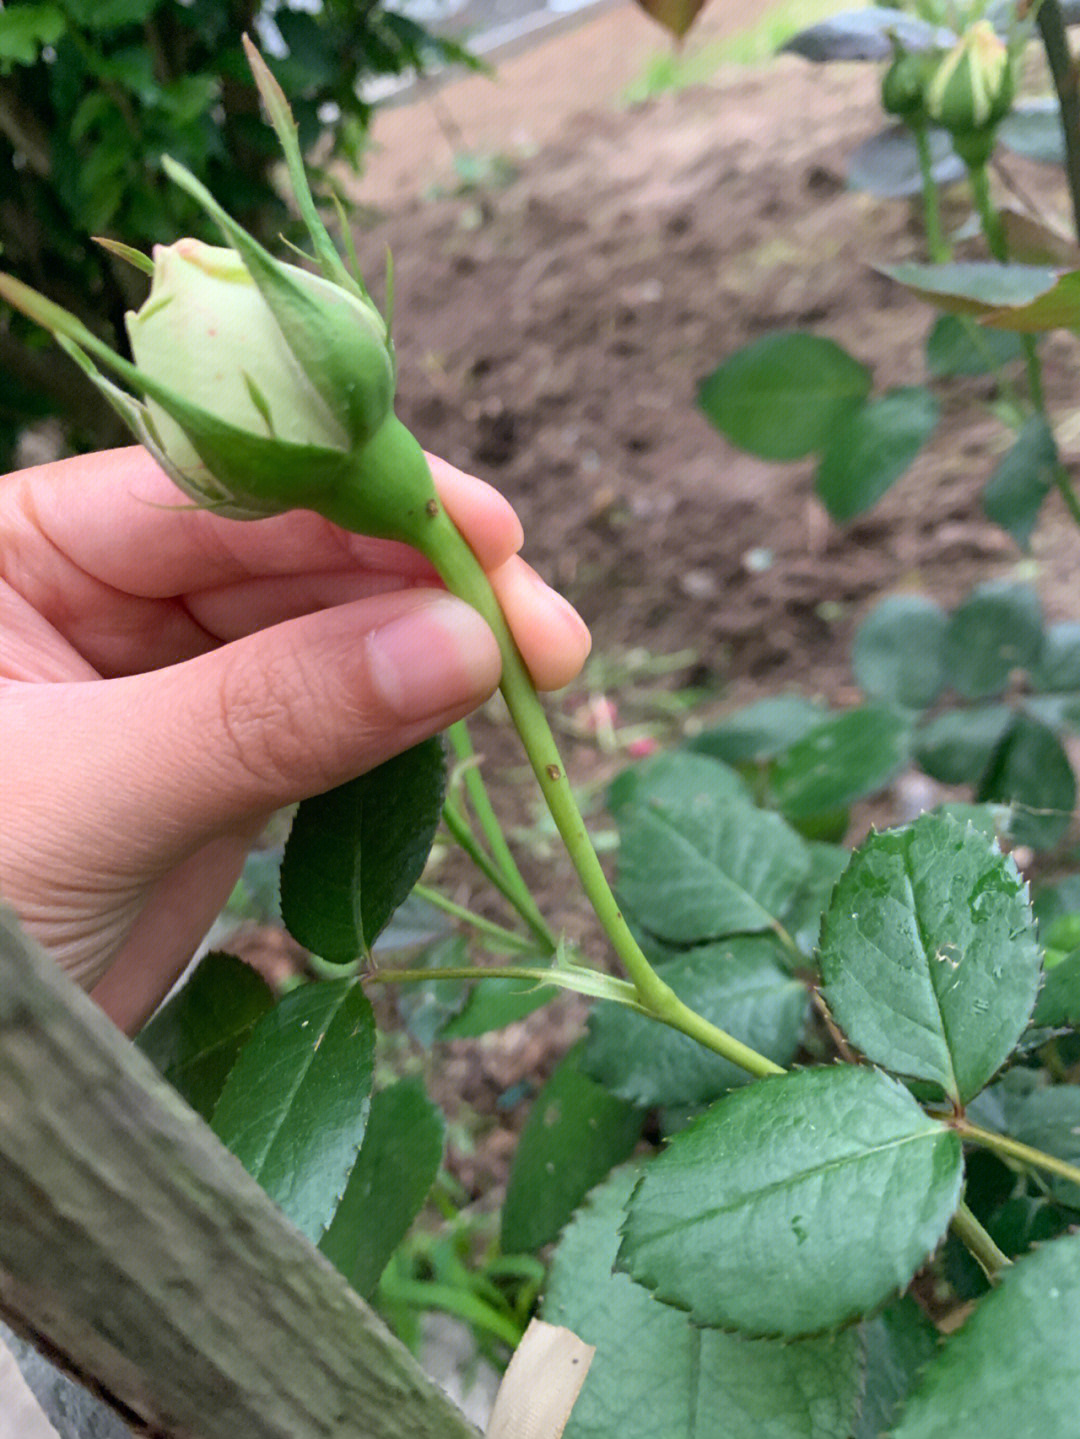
(140, 1256)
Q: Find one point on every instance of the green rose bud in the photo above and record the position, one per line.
(207, 332)
(259, 386)
(972, 89)
(903, 85)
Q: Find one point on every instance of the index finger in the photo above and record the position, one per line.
(119, 519)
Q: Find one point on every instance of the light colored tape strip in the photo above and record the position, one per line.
(20, 1416)
(541, 1385)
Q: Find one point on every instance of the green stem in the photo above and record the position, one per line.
(989, 218)
(489, 824)
(464, 576)
(935, 240)
(995, 238)
(1063, 70)
(507, 938)
(463, 836)
(970, 1232)
(1013, 1149)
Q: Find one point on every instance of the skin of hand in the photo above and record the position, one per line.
(169, 678)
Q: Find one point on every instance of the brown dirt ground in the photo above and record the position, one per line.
(552, 329)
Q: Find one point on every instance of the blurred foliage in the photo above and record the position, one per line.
(94, 92)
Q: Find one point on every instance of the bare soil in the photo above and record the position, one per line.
(553, 326)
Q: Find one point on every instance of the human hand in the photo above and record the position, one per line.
(169, 678)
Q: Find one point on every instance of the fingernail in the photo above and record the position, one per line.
(437, 657)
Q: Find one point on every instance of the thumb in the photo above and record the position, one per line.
(176, 756)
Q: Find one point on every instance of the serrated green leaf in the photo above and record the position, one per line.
(760, 730)
(1022, 480)
(958, 347)
(898, 1345)
(654, 1374)
(743, 984)
(1058, 1005)
(996, 630)
(897, 652)
(195, 1037)
(956, 747)
(929, 954)
(782, 396)
(1031, 772)
(575, 1135)
(396, 1167)
(676, 780)
(855, 754)
(1057, 669)
(697, 867)
(1014, 1367)
(354, 853)
(295, 1104)
(868, 449)
(794, 1205)
(495, 1003)
(803, 919)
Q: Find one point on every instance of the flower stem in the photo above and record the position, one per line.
(989, 218)
(1013, 1149)
(497, 933)
(488, 821)
(935, 241)
(973, 1236)
(517, 896)
(464, 576)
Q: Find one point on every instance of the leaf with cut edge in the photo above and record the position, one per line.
(742, 984)
(195, 1037)
(956, 747)
(699, 870)
(1031, 772)
(974, 287)
(355, 852)
(655, 1374)
(760, 730)
(867, 35)
(1014, 1367)
(794, 1205)
(781, 397)
(856, 754)
(957, 347)
(399, 1158)
(996, 630)
(1032, 128)
(887, 165)
(676, 16)
(295, 1105)
(896, 655)
(575, 1135)
(898, 1345)
(929, 954)
(868, 449)
(1015, 492)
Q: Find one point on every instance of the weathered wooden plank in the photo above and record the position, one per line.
(140, 1255)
